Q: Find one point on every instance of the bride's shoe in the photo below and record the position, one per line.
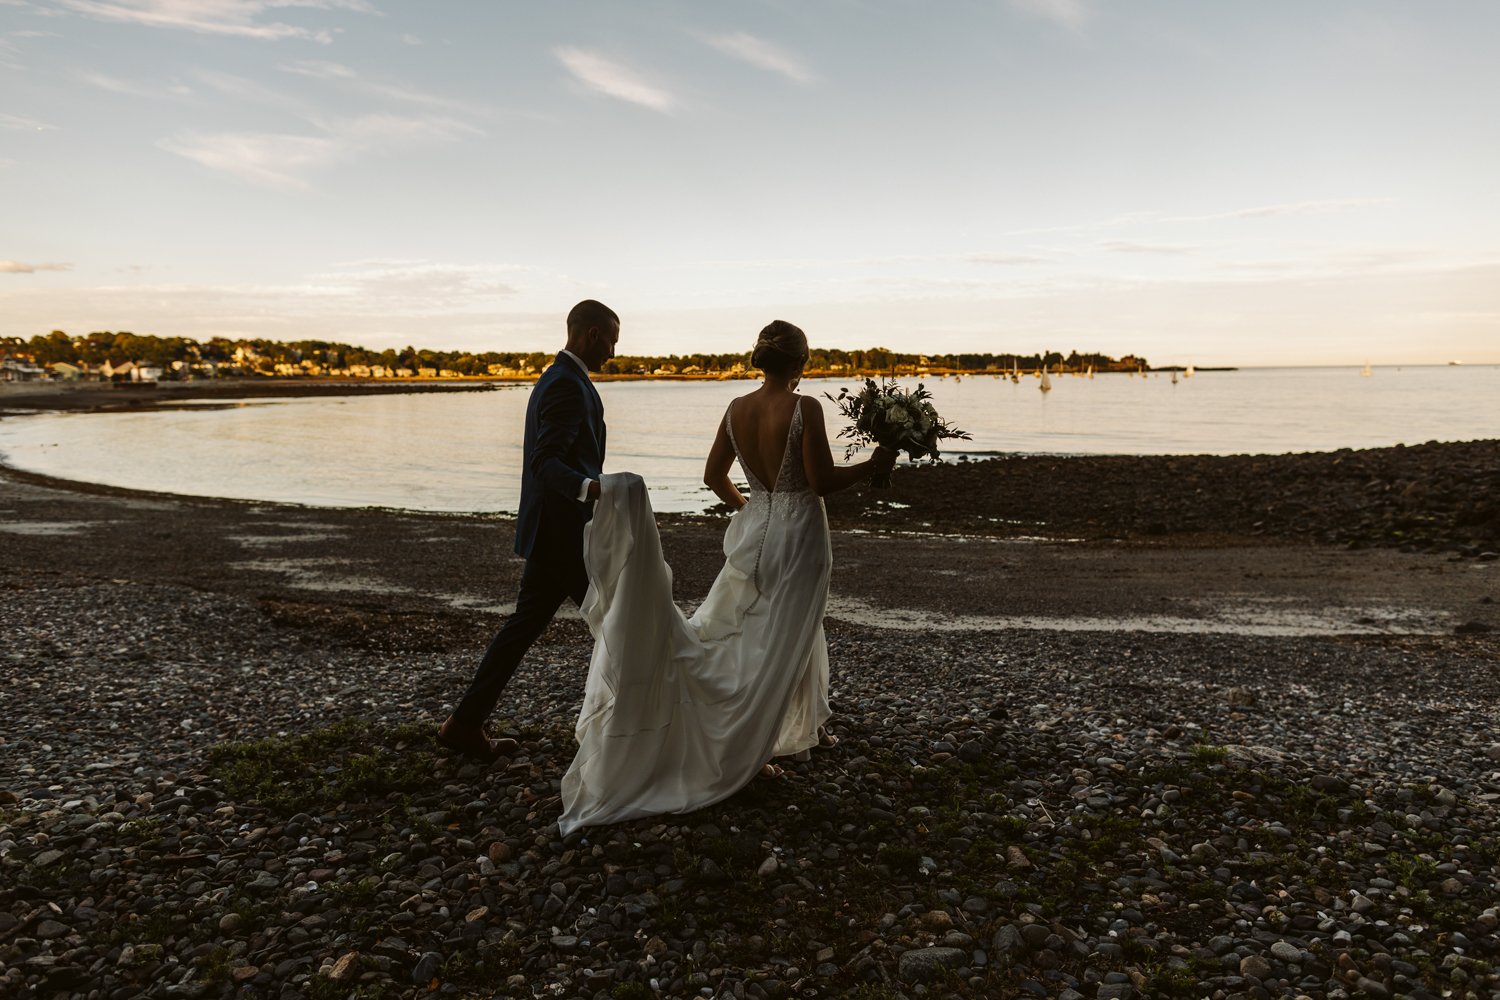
(826, 739)
(771, 770)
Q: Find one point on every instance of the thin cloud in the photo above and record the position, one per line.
(1005, 258)
(274, 161)
(1126, 246)
(240, 18)
(131, 88)
(245, 89)
(319, 69)
(404, 283)
(24, 124)
(347, 79)
(20, 267)
(1258, 211)
(803, 263)
(1288, 208)
(762, 55)
(1071, 14)
(284, 161)
(614, 79)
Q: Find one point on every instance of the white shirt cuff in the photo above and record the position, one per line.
(583, 491)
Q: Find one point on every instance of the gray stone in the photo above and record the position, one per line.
(392, 947)
(1285, 951)
(427, 969)
(1254, 965)
(1329, 783)
(921, 964)
(1007, 941)
(1035, 935)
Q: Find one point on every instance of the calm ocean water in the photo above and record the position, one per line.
(462, 451)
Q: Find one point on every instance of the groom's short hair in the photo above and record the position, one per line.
(589, 313)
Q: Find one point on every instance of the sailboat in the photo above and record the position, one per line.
(1046, 385)
(1367, 371)
(1188, 373)
(1015, 371)
(1091, 371)
(1174, 378)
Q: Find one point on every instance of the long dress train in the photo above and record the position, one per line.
(679, 713)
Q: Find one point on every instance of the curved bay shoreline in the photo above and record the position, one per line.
(1267, 767)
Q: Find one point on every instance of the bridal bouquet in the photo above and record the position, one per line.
(886, 414)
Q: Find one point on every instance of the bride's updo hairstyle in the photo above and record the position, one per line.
(780, 349)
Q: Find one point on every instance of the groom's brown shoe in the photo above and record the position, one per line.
(471, 741)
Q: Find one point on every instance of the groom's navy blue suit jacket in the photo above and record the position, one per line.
(564, 448)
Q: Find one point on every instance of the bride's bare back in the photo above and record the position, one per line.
(761, 421)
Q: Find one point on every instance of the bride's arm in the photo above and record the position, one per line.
(716, 470)
(817, 456)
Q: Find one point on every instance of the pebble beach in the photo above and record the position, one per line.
(1108, 728)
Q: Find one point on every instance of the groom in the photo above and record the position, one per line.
(564, 458)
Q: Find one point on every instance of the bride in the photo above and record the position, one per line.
(679, 713)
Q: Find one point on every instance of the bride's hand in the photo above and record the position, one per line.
(883, 461)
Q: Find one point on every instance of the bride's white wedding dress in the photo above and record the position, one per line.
(678, 712)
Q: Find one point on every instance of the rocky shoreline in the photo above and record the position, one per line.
(1434, 497)
(99, 396)
(218, 776)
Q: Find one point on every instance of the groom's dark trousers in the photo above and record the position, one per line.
(564, 450)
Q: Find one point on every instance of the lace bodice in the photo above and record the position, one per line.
(791, 477)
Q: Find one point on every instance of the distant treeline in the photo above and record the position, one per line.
(271, 357)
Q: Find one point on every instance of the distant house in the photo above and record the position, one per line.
(20, 370)
(146, 373)
(427, 372)
(66, 372)
(117, 371)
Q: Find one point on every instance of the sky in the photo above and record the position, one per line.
(1258, 182)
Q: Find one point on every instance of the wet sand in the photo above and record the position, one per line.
(461, 564)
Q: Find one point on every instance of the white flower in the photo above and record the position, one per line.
(896, 415)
